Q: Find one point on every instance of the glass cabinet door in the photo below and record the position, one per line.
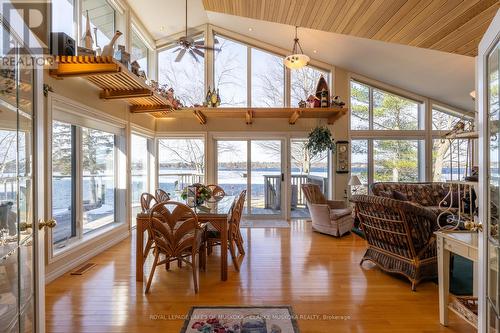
(492, 291)
(16, 214)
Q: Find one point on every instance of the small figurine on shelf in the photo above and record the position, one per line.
(87, 36)
(134, 67)
(208, 97)
(336, 101)
(142, 75)
(213, 99)
(218, 98)
(108, 50)
(122, 56)
(302, 104)
(312, 101)
(324, 98)
(154, 85)
(97, 47)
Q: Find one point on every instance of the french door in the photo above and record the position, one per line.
(21, 181)
(257, 166)
(488, 84)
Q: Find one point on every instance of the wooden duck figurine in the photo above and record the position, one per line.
(109, 50)
(87, 37)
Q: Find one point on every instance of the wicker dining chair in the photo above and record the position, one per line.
(235, 239)
(400, 236)
(217, 192)
(177, 234)
(161, 195)
(147, 202)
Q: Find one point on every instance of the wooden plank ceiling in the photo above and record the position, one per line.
(454, 26)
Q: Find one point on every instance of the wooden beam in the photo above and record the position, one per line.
(294, 117)
(200, 116)
(249, 117)
(150, 108)
(332, 119)
(125, 94)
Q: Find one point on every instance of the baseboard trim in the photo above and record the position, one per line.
(70, 265)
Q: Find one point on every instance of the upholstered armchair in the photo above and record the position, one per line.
(331, 217)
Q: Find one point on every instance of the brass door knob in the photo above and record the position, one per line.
(49, 224)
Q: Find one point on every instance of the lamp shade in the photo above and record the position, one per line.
(354, 181)
(296, 61)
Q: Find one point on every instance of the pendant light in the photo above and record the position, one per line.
(296, 60)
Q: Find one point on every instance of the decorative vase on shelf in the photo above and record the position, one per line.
(109, 50)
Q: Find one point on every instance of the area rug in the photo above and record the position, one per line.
(264, 224)
(240, 319)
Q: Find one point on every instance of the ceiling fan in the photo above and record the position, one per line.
(187, 44)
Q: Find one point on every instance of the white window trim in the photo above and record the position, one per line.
(61, 107)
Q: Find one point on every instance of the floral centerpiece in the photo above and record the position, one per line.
(202, 194)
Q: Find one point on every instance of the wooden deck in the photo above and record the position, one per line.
(316, 274)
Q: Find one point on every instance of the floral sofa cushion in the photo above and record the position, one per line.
(425, 194)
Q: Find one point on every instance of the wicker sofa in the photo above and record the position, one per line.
(400, 236)
(428, 195)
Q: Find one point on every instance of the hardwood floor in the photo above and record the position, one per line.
(316, 274)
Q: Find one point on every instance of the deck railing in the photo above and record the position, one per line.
(272, 189)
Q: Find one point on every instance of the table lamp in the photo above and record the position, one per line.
(354, 183)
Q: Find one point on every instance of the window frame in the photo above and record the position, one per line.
(70, 112)
(425, 134)
(134, 30)
(185, 135)
(149, 171)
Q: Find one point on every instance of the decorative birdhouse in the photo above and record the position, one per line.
(313, 101)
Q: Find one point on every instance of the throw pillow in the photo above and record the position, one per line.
(399, 196)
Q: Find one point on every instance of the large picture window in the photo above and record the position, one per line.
(230, 71)
(102, 17)
(181, 162)
(186, 76)
(139, 51)
(63, 182)
(98, 159)
(268, 79)
(84, 180)
(303, 83)
(63, 17)
(139, 166)
(389, 137)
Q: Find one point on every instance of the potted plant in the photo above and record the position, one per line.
(320, 139)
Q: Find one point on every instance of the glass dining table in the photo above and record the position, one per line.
(215, 212)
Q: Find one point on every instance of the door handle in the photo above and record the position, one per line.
(282, 177)
(41, 223)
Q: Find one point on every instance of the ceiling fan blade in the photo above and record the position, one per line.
(194, 55)
(177, 49)
(199, 42)
(216, 41)
(203, 47)
(180, 55)
(198, 52)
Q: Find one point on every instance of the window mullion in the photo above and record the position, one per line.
(370, 108)
(79, 182)
(249, 76)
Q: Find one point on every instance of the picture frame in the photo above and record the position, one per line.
(342, 157)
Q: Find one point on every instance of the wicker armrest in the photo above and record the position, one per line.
(336, 204)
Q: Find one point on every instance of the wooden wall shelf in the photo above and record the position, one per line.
(115, 80)
(203, 114)
(118, 83)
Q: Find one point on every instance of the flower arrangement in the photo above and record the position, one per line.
(203, 193)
